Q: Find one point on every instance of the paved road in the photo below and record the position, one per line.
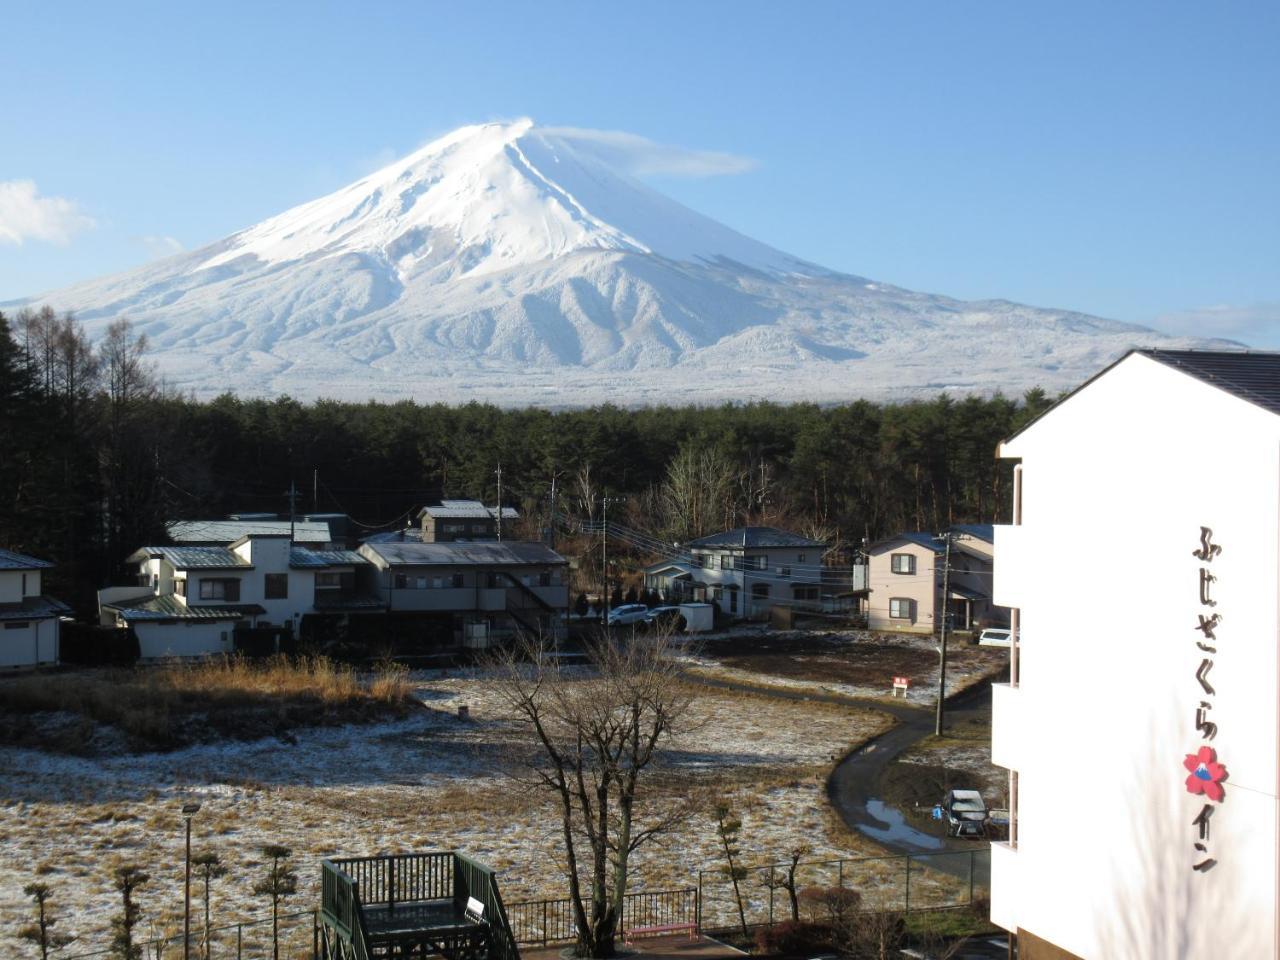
(855, 780)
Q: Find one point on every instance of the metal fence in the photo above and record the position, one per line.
(249, 940)
(543, 922)
(924, 881)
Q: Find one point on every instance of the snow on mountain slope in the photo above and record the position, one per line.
(504, 262)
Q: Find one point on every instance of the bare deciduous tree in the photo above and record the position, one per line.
(591, 738)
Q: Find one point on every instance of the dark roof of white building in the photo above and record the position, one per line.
(33, 608)
(169, 607)
(1251, 376)
(409, 553)
(300, 558)
(20, 561)
(228, 531)
(759, 537)
(194, 558)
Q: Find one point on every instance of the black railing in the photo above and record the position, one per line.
(543, 922)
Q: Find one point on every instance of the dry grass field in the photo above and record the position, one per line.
(427, 780)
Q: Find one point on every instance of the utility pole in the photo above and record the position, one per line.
(499, 472)
(551, 532)
(604, 552)
(292, 494)
(942, 646)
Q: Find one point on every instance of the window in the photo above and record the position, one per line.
(750, 563)
(733, 598)
(544, 578)
(330, 579)
(220, 589)
(180, 587)
(24, 585)
(726, 562)
(456, 580)
(401, 581)
(902, 563)
(422, 583)
(706, 560)
(804, 593)
(784, 571)
(799, 558)
(276, 586)
(455, 528)
(900, 608)
(760, 591)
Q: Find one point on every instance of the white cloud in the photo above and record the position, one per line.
(644, 157)
(1257, 325)
(25, 215)
(162, 246)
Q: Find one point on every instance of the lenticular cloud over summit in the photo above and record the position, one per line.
(520, 264)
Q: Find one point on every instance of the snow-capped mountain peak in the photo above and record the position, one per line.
(489, 197)
(515, 263)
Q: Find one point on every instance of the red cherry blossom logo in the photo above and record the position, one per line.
(1206, 774)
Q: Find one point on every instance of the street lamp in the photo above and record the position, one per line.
(189, 810)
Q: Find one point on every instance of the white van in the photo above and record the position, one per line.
(995, 637)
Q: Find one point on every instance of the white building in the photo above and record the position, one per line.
(1142, 566)
(189, 600)
(29, 624)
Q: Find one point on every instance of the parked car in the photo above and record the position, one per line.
(664, 617)
(966, 813)
(627, 613)
(995, 637)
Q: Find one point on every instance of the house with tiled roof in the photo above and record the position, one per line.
(29, 620)
(744, 571)
(905, 581)
(190, 600)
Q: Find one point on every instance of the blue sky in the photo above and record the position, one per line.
(1120, 159)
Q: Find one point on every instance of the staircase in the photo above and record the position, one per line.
(439, 904)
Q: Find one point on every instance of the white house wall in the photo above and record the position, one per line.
(187, 638)
(35, 643)
(11, 582)
(1116, 483)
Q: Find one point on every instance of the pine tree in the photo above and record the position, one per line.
(279, 883)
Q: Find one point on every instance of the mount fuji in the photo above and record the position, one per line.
(516, 264)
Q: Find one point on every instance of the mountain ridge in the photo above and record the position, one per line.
(501, 262)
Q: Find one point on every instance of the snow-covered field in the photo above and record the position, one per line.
(849, 663)
(432, 781)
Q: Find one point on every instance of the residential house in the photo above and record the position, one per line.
(190, 600)
(452, 520)
(744, 571)
(29, 621)
(904, 576)
(1139, 725)
(472, 591)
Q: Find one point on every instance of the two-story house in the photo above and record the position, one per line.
(189, 600)
(744, 571)
(1140, 724)
(472, 591)
(905, 579)
(451, 520)
(29, 621)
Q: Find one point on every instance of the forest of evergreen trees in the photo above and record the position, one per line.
(98, 454)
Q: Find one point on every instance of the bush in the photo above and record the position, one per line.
(834, 904)
(791, 937)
